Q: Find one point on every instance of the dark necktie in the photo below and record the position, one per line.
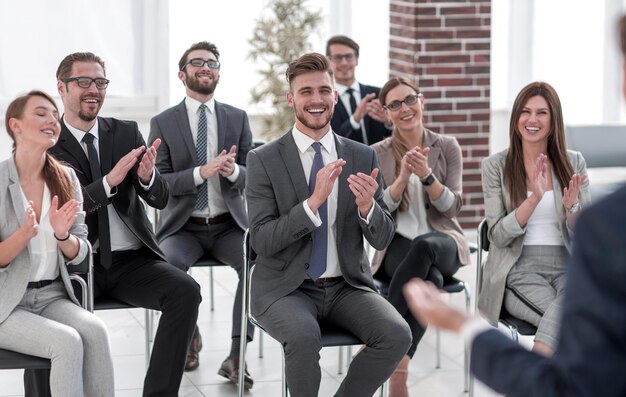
(358, 135)
(317, 265)
(201, 151)
(103, 216)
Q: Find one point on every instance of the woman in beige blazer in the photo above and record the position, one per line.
(42, 232)
(422, 171)
(533, 192)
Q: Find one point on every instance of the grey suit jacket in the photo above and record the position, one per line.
(505, 234)
(280, 229)
(15, 277)
(446, 161)
(177, 159)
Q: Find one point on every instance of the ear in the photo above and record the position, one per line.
(60, 87)
(14, 125)
(290, 99)
(336, 96)
(181, 76)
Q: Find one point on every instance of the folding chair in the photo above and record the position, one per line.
(332, 336)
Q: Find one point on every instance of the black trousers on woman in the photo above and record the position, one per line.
(431, 256)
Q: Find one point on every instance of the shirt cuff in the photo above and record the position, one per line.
(108, 189)
(197, 179)
(354, 124)
(233, 177)
(391, 205)
(147, 187)
(315, 218)
(368, 218)
(474, 327)
(445, 200)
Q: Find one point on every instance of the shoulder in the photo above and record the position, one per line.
(229, 109)
(369, 88)
(382, 146)
(117, 124)
(169, 112)
(495, 160)
(575, 157)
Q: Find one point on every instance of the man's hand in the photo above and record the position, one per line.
(119, 172)
(427, 305)
(324, 182)
(148, 161)
(375, 110)
(364, 187)
(361, 108)
(228, 162)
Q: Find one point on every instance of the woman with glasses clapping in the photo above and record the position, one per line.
(42, 234)
(422, 171)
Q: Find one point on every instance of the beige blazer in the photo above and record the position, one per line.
(14, 277)
(446, 161)
(506, 237)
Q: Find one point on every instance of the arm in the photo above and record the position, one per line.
(446, 195)
(157, 194)
(17, 242)
(78, 229)
(244, 146)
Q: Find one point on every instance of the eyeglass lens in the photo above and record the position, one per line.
(409, 100)
(199, 62)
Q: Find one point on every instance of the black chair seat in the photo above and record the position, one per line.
(333, 336)
(523, 328)
(12, 360)
(208, 260)
(106, 302)
(453, 285)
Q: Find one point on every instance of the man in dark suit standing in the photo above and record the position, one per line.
(591, 355)
(358, 114)
(204, 144)
(311, 265)
(116, 170)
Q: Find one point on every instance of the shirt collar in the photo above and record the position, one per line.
(304, 142)
(79, 134)
(193, 104)
(341, 89)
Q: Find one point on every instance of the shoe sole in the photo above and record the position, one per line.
(246, 385)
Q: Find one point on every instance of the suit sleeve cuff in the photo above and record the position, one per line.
(147, 187)
(233, 177)
(110, 192)
(317, 221)
(368, 218)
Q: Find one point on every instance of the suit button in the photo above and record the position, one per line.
(306, 266)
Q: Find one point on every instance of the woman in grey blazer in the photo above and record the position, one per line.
(422, 171)
(533, 192)
(42, 232)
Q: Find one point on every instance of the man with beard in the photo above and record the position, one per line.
(359, 114)
(204, 144)
(307, 224)
(115, 170)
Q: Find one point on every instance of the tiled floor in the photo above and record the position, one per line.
(126, 329)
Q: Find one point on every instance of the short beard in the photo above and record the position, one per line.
(322, 123)
(193, 85)
(87, 117)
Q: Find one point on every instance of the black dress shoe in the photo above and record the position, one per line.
(193, 359)
(230, 370)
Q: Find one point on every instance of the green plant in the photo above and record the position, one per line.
(280, 35)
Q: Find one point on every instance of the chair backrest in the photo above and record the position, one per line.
(601, 145)
(482, 242)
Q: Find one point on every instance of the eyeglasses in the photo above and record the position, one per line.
(199, 62)
(338, 57)
(409, 100)
(85, 82)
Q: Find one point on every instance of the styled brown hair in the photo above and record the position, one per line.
(54, 175)
(65, 67)
(622, 34)
(399, 146)
(202, 45)
(514, 170)
(311, 62)
(345, 40)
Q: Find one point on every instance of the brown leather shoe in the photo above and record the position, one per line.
(193, 359)
(230, 370)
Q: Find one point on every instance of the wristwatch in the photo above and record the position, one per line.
(428, 180)
(574, 208)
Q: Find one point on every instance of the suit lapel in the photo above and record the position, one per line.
(105, 144)
(220, 113)
(344, 195)
(16, 193)
(72, 148)
(182, 122)
(289, 153)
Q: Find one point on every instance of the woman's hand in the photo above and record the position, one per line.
(571, 192)
(30, 226)
(539, 179)
(62, 219)
(417, 160)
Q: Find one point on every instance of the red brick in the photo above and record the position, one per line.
(444, 46)
(448, 117)
(433, 107)
(428, 22)
(443, 70)
(454, 10)
(435, 34)
(473, 33)
(462, 22)
(472, 105)
(455, 82)
(456, 58)
(472, 69)
(478, 46)
(475, 116)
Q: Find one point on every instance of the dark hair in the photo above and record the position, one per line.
(345, 40)
(65, 67)
(311, 62)
(203, 45)
(514, 170)
(399, 146)
(54, 175)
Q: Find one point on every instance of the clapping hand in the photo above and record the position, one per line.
(227, 166)
(30, 226)
(539, 179)
(570, 193)
(62, 219)
(148, 162)
(364, 187)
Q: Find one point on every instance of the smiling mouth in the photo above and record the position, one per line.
(532, 130)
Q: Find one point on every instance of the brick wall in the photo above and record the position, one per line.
(445, 46)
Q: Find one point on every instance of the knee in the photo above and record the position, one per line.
(66, 343)
(304, 345)
(186, 292)
(397, 335)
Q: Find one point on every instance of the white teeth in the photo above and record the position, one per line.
(410, 116)
(316, 110)
(532, 129)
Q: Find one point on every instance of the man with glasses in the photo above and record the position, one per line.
(116, 170)
(358, 114)
(204, 144)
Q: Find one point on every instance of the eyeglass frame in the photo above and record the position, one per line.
(391, 104)
(204, 62)
(91, 81)
(349, 57)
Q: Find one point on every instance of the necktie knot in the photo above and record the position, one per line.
(88, 138)
(317, 147)
(202, 108)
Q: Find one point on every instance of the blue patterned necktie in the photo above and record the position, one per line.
(201, 151)
(317, 263)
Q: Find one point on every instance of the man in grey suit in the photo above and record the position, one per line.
(202, 157)
(311, 266)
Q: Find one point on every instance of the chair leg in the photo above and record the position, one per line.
(285, 392)
(212, 288)
(466, 359)
(383, 389)
(148, 336)
(438, 349)
(261, 343)
(340, 363)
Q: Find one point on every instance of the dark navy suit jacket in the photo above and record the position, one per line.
(590, 359)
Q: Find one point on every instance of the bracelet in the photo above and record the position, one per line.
(62, 239)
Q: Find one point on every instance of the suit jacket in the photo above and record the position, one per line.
(591, 355)
(116, 138)
(177, 159)
(446, 161)
(505, 234)
(340, 123)
(280, 229)
(15, 277)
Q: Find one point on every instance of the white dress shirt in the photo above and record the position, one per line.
(345, 98)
